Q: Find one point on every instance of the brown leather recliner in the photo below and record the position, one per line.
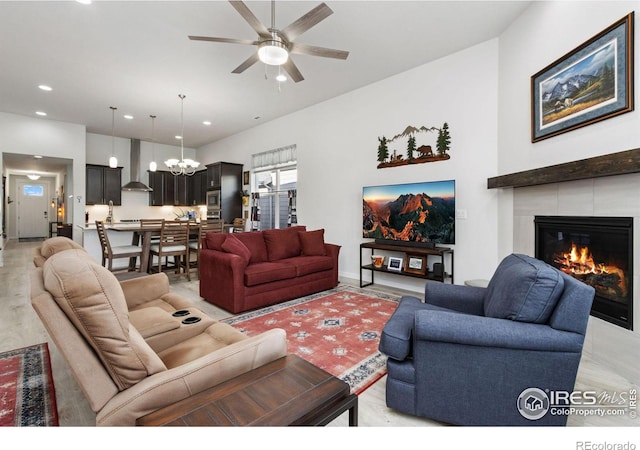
(128, 352)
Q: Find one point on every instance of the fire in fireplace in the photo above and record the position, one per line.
(597, 251)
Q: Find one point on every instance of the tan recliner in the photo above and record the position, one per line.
(130, 359)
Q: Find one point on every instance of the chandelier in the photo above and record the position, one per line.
(182, 166)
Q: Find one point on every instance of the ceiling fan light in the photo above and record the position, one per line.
(273, 53)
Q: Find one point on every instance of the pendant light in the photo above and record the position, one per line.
(184, 166)
(152, 165)
(113, 161)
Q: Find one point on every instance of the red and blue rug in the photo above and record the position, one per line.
(27, 395)
(337, 330)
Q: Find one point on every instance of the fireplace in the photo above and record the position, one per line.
(597, 251)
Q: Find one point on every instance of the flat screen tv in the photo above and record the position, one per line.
(419, 214)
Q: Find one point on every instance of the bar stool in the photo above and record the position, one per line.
(109, 252)
(195, 245)
(174, 242)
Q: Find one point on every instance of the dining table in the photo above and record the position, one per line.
(143, 235)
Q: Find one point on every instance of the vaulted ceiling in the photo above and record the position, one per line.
(136, 55)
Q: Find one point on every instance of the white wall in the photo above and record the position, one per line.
(31, 136)
(337, 144)
(542, 34)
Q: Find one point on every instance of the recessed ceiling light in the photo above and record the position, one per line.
(41, 113)
(44, 87)
(84, 2)
(128, 116)
(281, 77)
(37, 156)
(33, 176)
(178, 137)
(206, 122)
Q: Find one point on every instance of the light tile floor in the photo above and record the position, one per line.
(20, 326)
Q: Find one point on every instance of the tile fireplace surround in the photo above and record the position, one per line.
(617, 195)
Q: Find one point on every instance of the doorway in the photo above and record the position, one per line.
(33, 210)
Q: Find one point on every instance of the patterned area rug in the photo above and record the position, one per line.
(337, 330)
(27, 395)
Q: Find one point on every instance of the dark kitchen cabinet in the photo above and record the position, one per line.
(156, 182)
(227, 178)
(103, 184)
(198, 188)
(177, 190)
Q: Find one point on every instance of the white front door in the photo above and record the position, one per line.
(33, 209)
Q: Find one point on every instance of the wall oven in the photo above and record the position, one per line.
(213, 204)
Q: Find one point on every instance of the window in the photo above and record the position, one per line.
(33, 191)
(274, 189)
(277, 196)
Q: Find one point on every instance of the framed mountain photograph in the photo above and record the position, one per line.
(591, 83)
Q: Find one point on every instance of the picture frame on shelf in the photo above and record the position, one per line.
(589, 84)
(415, 264)
(394, 264)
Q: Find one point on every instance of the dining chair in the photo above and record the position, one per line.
(195, 242)
(109, 252)
(155, 226)
(174, 243)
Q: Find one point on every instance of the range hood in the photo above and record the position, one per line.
(135, 184)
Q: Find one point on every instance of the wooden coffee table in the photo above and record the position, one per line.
(288, 391)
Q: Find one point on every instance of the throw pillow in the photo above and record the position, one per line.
(282, 243)
(523, 289)
(254, 241)
(233, 245)
(312, 243)
(214, 241)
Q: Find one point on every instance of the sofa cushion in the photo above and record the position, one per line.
(254, 241)
(523, 289)
(92, 299)
(215, 337)
(214, 241)
(58, 244)
(312, 243)
(233, 245)
(309, 264)
(282, 243)
(266, 272)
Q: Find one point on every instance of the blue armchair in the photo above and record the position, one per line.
(488, 356)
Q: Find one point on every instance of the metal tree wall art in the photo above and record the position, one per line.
(414, 154)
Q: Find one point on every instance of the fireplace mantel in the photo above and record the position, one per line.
(620, 163)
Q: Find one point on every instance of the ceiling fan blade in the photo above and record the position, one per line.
(250, 61)
(313, 17)
(304, 49)
(226, 40)
(293, 71)
(247, 15)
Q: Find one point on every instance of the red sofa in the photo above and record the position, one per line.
(244, 271)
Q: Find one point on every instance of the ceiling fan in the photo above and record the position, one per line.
(274, 45)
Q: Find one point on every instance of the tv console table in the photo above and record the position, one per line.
(408, 252)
